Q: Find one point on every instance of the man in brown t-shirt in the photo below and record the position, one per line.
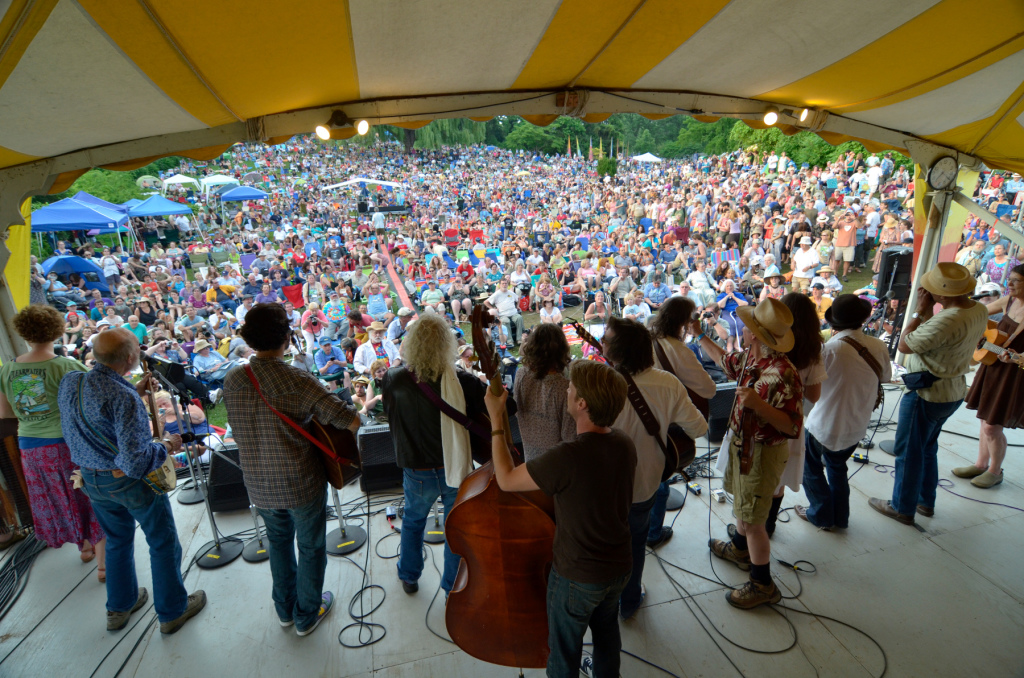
(591, 480)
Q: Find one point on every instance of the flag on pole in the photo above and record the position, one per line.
(591, 154)
(578, 147)
(600, 149)
(568, 149)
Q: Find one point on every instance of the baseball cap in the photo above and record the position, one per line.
(324, 340)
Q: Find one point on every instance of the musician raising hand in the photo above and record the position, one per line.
(768, 412)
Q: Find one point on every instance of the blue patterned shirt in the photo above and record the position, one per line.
(115, 412)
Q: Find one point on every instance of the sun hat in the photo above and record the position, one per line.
(948, 280)
(825, 268)
(773, 272)
(806, 240)
(377, 326)
(771, 322)
(822, 218)
(467, 347)
(201, 344)
(848, 310)
(361, 380)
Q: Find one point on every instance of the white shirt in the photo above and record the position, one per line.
(365, 355)
(840, 417)
(686, 367)
(669, 403)
(504, 302)
(801, 259)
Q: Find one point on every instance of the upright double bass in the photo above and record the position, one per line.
(497, 609)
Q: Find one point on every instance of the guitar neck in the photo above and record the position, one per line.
(989, 346)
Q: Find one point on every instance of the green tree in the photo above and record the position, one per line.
(528, 137)
(450, 132)
(115, 187)
(644, 143)
(607, 166)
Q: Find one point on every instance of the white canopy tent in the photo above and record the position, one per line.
(646, 157)
(178, 179)
(353, 182)
(216, 180)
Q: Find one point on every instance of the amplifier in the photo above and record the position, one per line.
(720, 406)
(227, 487)
(377, 457)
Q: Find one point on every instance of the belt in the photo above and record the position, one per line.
(434, 468)
(115, 472)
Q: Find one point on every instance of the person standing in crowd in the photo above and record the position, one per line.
(857, 365)
(108, 430)
(284, 478)
(591, 480)
(997, 390)
(628, 347)
(431, 448)
(540, 391)
(769, 389)
(939, 349)
(28, 392)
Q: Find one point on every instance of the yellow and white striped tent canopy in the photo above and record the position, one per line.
(118, 83)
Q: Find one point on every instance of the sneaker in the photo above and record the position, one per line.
(801, 512)
(726, 550)
(196, 602)
(587, 667)
(752, 594)
(925, 511)
(118, 620)
(666, 534)
(215, 395)
(410, 587)
(326, 605)
(884, 506)
(285, 623)
(628, 614)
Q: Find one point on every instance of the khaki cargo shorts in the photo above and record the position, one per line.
(752, 493)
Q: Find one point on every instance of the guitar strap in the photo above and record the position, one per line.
(872, 363)
(643, 411)
(286, 419)
(474, 427)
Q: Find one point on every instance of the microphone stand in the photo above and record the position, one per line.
(220, 551)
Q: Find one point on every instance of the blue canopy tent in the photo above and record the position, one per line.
(130, 203)
(158, 206)
(88, 269)
(243, 193)
(82, 196)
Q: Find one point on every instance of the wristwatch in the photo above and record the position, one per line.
(915, 315)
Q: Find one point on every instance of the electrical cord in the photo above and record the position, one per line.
(359, 620)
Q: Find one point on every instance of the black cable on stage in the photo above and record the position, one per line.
(359, 620)
(15, 570)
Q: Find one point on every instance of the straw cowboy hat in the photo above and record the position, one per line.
(771, 322)
(948, 280)
(200, 345)
(377, 326)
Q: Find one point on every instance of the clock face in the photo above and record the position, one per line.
(942, 174)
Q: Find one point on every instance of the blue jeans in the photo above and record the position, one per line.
(829, 501)
(917, 447)
(658, 512)
(572, 607)
(639, 524)
(118, 503)
(298, 588)
(422, 488)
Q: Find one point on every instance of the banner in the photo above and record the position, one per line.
(19, 242)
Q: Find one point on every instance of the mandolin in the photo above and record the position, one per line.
(681, 450)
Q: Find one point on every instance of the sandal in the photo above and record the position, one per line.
(87, 555)
(101, 574)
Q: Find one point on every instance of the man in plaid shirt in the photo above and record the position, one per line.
(285, 479)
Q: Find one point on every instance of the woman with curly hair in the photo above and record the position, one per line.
(28, 391)
(541, 391)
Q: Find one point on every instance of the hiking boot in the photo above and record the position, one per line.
(666, 534)
(726, 550)
(752, 594)
(971, 471)
(196, 602)
(884, 506)
(326, 605)
(118, 620)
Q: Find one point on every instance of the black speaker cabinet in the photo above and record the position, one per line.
(720, 406)
(894, 274)
(377, 457)
(227, 487)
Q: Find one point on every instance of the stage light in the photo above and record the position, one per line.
(362, 127)
(771, 115)
(804, 114)
(323, 132)
(339, 120)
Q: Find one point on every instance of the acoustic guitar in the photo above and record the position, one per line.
(993, 344)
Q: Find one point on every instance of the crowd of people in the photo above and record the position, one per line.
(736, 266)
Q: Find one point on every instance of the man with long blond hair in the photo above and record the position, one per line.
(432, 448)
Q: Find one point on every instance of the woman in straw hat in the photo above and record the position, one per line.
(769, 396)
(939, 349)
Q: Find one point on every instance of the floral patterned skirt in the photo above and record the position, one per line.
(61, 514)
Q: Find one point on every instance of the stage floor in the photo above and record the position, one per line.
(944, 599)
